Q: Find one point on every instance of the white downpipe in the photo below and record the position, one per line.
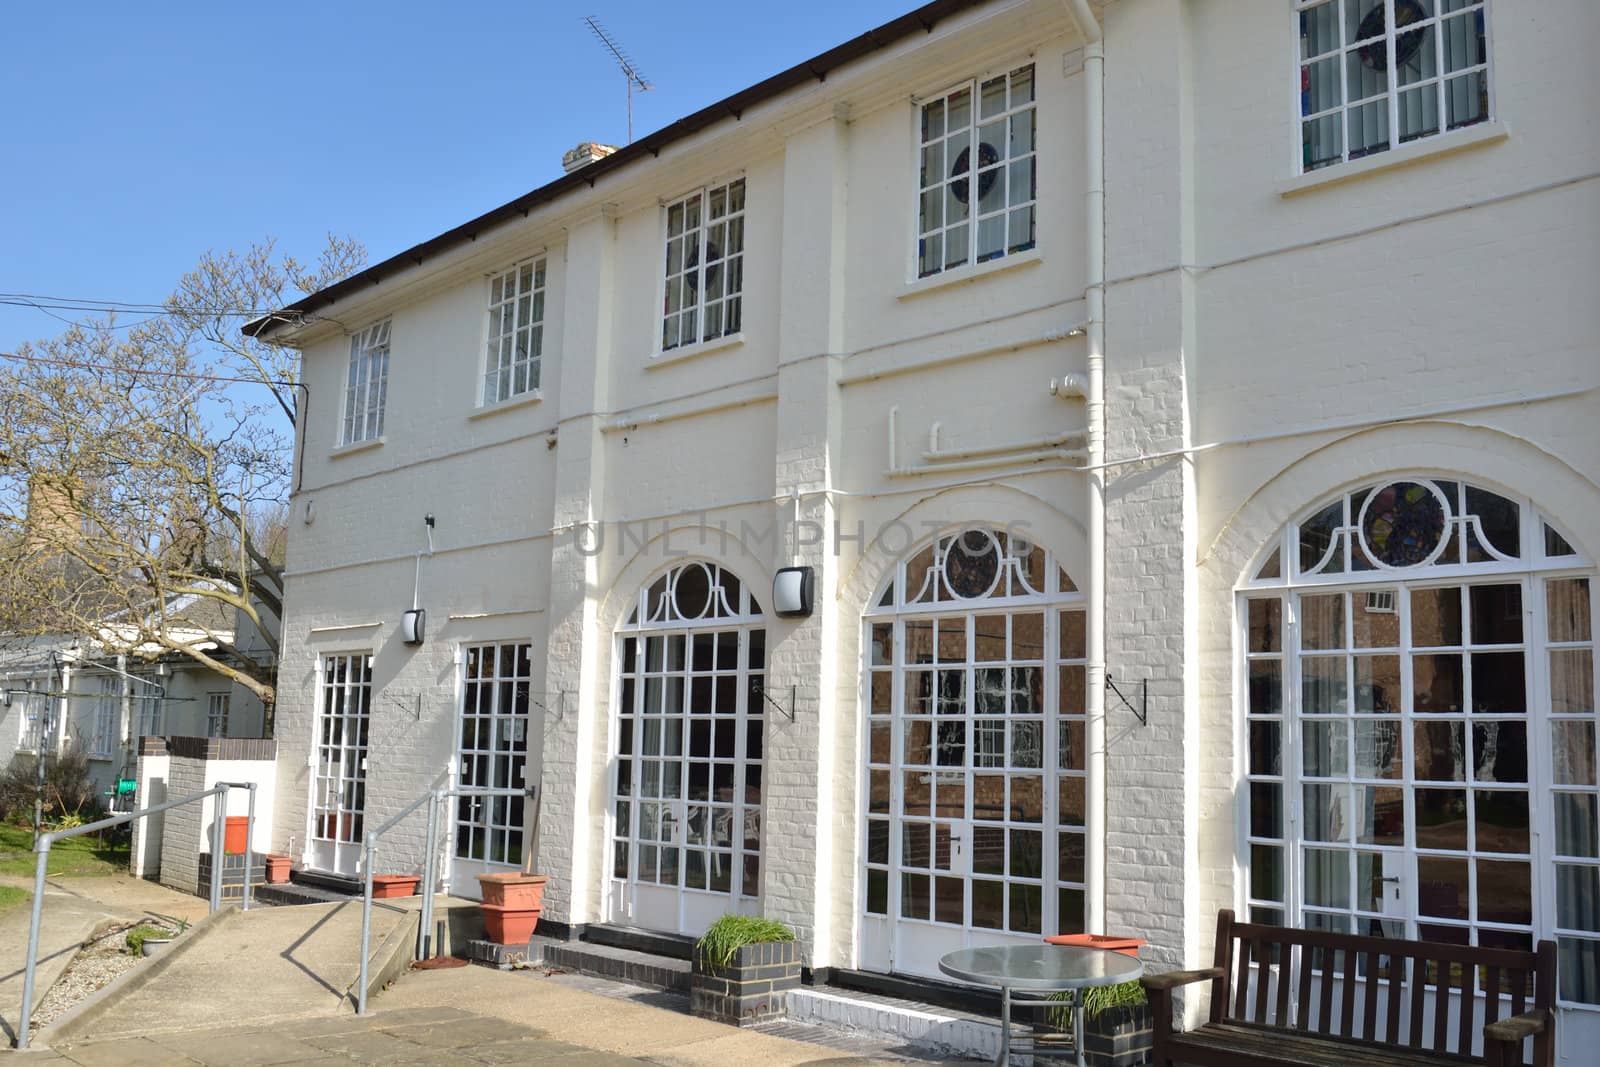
(1094, 61)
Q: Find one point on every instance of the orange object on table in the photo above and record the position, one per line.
(1128, 946)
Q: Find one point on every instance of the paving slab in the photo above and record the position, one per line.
(243, 1048)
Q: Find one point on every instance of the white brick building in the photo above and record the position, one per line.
(781, 332)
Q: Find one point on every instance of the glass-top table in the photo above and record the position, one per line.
(1040, 969)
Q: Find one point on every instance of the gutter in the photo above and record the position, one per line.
(1094, 73)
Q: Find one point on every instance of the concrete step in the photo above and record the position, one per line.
(674, 946)
(290, 893)
(607, 961)
(940, 1031)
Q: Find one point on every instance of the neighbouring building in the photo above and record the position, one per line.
(1185, 409)
(61, 692)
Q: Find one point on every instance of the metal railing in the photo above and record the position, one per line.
(435, 799)
(218, 832)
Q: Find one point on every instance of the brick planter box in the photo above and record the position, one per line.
(753, 988)
(1121, 1037)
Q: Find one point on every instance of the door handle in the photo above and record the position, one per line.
(1395, 878)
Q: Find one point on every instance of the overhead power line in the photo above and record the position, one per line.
(192, 376)
(73, 303)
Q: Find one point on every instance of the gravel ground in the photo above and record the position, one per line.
(101, 960)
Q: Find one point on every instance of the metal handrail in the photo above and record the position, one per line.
(46, 840)
(434, 798)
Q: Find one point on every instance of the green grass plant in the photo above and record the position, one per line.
(142, 933)
(86, 854)
(10, 897)
(1097, 1000)
(730, 933)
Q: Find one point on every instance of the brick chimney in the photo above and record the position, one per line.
(585, 154)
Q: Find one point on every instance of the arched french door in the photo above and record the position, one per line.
(1420, 737)
(973, 747)
(687, 753)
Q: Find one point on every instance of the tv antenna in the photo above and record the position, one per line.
(630, 71)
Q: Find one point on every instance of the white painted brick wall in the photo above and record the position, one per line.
(1213, 315)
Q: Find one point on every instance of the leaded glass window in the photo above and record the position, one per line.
(1379, 73)
(704, 293)
(978, 175)
(1411, 649)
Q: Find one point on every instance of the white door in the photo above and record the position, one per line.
(687, 754)
(339, 797)
(494, 723)
(973, 747)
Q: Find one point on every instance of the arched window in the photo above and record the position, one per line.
(974, 752)
(687, 752)
(1419, 703)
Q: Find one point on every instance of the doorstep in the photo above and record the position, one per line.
(930, 1028)
(646, 969)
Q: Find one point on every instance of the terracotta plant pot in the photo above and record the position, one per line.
(235, 834)
(509, 926)
(277, 869)
(385, 886)
(512, 890)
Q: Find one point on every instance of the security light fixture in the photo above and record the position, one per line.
(413, 626)
(414, 621)
(792, 592)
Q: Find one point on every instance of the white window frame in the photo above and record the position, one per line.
(1008, 169)
(149, 701)
(898, 605)
(217, 708)
(502, 701)
(1440, 83)
(732, 608)
(730, 289)
(366, 390)
(102, 740)
(514, 338)
(1534, 568)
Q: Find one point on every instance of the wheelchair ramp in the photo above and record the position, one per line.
(245, 967)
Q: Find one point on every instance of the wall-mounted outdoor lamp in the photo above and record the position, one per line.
(414, 621)
(792, 592)
(413, 626)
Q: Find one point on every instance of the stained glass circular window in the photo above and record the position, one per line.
(1404, 524)
(972, 564)
(692, 591)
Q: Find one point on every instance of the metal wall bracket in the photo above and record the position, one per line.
(757, 689)
(1142, 712)
(561, 705)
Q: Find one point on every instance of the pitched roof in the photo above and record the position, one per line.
(923, 20)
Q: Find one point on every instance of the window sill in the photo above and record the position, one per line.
(531, 397)
(702, 348)
(359, 446)
(1427, 148)
(971, 273)
(97, 758)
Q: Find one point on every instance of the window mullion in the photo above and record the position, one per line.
(1392, 97)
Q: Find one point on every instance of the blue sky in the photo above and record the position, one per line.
(139, 135)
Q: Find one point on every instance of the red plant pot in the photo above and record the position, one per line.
(385, 886)
(512, 890)
(235, 834)
(509, 926)
(1127, 946)
(277, 869)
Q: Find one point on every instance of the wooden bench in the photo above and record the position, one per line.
(1393, 981)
